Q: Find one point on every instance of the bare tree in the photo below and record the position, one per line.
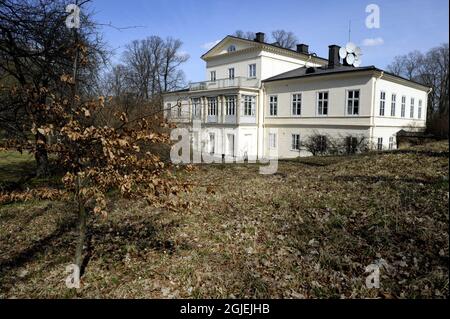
(249, 35)
(285, 39)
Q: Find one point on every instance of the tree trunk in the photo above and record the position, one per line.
(41, 156)
(81, 234)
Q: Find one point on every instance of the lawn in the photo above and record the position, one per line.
(309, 231)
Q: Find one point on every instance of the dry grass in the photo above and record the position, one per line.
(307, 232)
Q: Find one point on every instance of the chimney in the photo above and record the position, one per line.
(333, 56)
(303, 48)
(260, 37)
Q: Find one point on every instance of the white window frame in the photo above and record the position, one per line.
(403, 107)
(296, 103)
(231, 74)
(382, 111)
(248, 104)
(380, 144)
(212, 106)
(419, 110)
(295, 142)
(273, 105)
(412, 107)
(393, 104)
(213, 77)
(231, 48)
(252, 71)
(230, 105)
(212, 143)
(196, 107)
(272, 141)
(323, 100)
(353, 99)
(391, 143)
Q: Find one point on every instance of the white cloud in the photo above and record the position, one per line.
(373, 42)
(210, 45)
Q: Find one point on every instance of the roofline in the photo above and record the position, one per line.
(267, 44)
(366, 69)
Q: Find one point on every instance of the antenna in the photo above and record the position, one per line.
(350, 30)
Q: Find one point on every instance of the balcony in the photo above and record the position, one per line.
(224, 83)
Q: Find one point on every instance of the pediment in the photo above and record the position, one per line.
(224, 47)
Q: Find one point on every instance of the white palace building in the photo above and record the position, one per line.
(260, 97)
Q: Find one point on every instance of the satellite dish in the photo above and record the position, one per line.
(342, 53)
(350, 59)
(351, 54)
(351, 47)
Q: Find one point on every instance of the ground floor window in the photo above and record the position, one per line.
(295, 142)
(391, 143)
(321, 143)
(380, 144)
(351, 144)
(212, 143)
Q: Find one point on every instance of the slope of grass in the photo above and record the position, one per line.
(308, 232)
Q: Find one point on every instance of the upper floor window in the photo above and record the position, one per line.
(296, 104)
(213, 76)
(249, 105)
(393, 104)
(212, 106)
(252, 71)
(295, 142)
(231, 73)
(403, 110)
(230, 105)
(231, 48)
(353, 102)
(382, 103)
(273, 105)
(272, 141)
(419, 111)
(411, 110)
(196, 108)
(322, 103)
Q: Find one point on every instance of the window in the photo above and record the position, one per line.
(382, 103)
(411, 110)
(380, 144)
(179, 110)
(391, 143)
(393, 104)
(230, 105)
(231, 48)
(321, 144)
(322, 103)
(231, 73)
(272, 141)
(213, 76)
(249, 105)
(351, 144)
(196, 108)
(296, 142)
(273, 105)
(419, 111)
(212, 106)
(403, 111)
(252, 71)
(353, 102)
(212, 143)
(296, 104)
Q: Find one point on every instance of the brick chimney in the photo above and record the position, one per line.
(303, 48)
(260, 37)
(333, 56)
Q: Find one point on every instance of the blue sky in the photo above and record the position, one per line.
(406, 25)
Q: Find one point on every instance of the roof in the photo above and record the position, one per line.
(273, 45)
(176, 91)
(320, 71)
